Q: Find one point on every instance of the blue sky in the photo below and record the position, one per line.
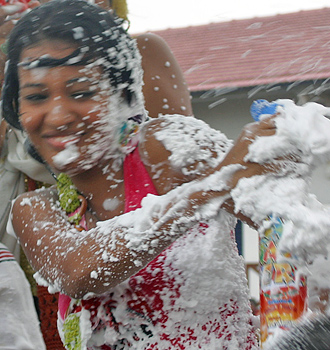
(161, 14)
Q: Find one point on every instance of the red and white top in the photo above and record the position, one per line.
(192, 296)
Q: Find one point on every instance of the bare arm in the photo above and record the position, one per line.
(165, 89)
(90, 261)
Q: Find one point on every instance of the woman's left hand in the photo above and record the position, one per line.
(240, 149)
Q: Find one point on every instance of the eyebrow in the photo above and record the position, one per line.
(29, 85)
(71, 81)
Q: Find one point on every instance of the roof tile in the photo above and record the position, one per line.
(264, 50)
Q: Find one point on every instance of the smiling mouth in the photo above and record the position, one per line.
(61, 142)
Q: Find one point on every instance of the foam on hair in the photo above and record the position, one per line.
(99, 37)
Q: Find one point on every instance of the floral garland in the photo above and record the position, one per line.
(71, 201)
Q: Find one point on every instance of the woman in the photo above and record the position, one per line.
(155, 277)
(165, 91)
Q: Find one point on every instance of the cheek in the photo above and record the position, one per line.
(29, 121)
(96, 114)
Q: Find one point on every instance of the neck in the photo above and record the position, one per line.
(103, 186)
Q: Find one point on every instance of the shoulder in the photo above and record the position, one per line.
(155, 53)
(34, 201)
(33, 213)
(189, 140)
(165, 89)
(151, 44)
(188, 146)
(158, 60)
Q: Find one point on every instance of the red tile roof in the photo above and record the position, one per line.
(265, 50)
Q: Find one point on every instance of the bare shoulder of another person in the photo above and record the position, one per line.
(165, 89)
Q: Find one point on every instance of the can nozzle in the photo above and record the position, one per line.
(261, 107)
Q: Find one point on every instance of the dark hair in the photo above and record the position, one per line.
(96, 33)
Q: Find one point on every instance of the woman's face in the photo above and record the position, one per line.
(63, 109)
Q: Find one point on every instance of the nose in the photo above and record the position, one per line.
(59, 113)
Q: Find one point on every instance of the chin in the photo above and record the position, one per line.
(79, 167)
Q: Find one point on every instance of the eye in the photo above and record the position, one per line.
(83, 95)
(35, 97)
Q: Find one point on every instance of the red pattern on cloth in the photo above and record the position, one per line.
(6, 255)
(48, 318)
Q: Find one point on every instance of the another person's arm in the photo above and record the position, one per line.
(165, 89)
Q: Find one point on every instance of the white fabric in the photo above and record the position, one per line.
(19, 325)
(14, 163)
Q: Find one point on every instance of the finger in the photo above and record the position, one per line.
(268, 122)
(257, 130)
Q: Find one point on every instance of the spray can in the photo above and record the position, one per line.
(283, 292)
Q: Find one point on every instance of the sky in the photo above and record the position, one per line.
(152, 15)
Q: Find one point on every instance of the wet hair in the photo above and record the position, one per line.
(96, 33)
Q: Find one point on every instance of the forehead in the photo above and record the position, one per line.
(56, 49)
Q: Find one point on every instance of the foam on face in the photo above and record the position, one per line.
(117, 117)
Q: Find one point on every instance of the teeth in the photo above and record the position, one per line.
(65, 139)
